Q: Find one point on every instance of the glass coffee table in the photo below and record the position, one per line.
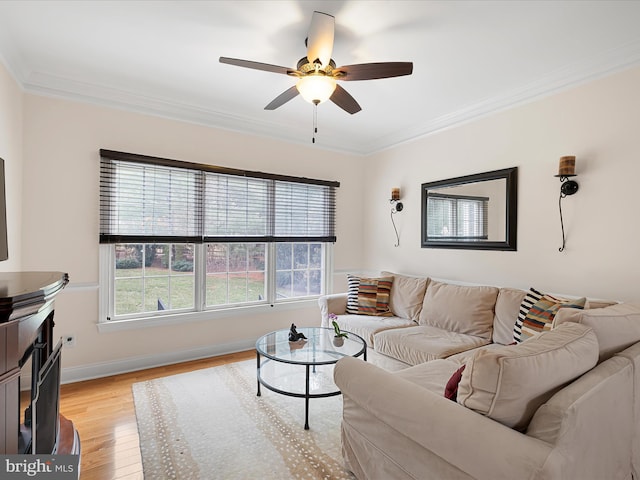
(304, 369)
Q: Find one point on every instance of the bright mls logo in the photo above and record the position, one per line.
(28, 467)
(58, 467)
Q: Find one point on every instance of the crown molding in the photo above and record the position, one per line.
(570, 76)
(40, 83)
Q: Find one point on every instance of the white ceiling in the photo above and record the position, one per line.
(470, 58)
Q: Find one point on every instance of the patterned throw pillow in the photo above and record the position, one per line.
(353, 283)
(530, 298)
(541, 314)
(369, 296)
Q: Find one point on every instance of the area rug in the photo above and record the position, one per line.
(209, 424)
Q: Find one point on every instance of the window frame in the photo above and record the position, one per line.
(481, 220)
(108, 321)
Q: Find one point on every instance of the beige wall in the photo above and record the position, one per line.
(598, 122)
(61, 218)
(11, 151)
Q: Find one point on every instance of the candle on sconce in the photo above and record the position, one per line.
(395, 193)
(567, 167)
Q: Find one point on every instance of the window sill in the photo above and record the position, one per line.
(182, 318)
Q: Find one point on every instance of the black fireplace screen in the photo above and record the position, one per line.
(39, 430)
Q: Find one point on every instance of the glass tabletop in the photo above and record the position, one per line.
(317, 349)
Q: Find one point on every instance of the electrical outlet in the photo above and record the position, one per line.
(69, 341)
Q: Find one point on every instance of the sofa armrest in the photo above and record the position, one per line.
(334, 303)
(450, 431)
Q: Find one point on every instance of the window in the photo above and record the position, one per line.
(152, 277)
(455, 216)
(236, 273)
(298, 269)
(182, 238)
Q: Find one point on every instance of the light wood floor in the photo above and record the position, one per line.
(102, 412)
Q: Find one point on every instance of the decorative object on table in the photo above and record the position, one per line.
(297, 345)
(338, 339)
(566, 169)
(294, 335)
(396, 206)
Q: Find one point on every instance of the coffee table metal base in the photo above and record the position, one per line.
(306, 395)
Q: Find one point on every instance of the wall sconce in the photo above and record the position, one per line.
(566, 169)
(396, 206)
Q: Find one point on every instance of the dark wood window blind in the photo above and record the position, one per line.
(151, 199)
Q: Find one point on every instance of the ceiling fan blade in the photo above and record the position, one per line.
(320, 38)
(283, 98)
(256, 65)
(371, 71)
(344, 100)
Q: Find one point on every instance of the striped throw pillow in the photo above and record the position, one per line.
(530, 298)
(541, 314)
(369, 296)
(353, 283)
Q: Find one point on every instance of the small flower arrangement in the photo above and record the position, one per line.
(333, 317)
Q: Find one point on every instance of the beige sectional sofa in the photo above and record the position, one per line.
(562, 404)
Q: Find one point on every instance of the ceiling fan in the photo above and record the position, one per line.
(317, 72)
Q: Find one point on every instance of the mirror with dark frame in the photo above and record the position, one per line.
(476, 212)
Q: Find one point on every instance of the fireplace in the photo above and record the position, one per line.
(40, 406)
(30, 367)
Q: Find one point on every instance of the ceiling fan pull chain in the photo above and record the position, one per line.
(315, 121)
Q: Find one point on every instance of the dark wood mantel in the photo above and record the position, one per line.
(23, 293)
(26, 319)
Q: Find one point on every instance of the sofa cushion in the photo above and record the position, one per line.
(366, 326)
(633, 355)
(407, 295)
(548, 420)
(369, 296)
(617, 327)
(541, 314)
(431, 375)
(598, 303)
(462, 357)
(506, 314)
(459, 308)
(509, 383)
(422, 343)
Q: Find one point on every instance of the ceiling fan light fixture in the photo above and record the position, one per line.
(316, 88)
(317, 73)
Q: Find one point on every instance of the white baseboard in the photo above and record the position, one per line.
(132, 364)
